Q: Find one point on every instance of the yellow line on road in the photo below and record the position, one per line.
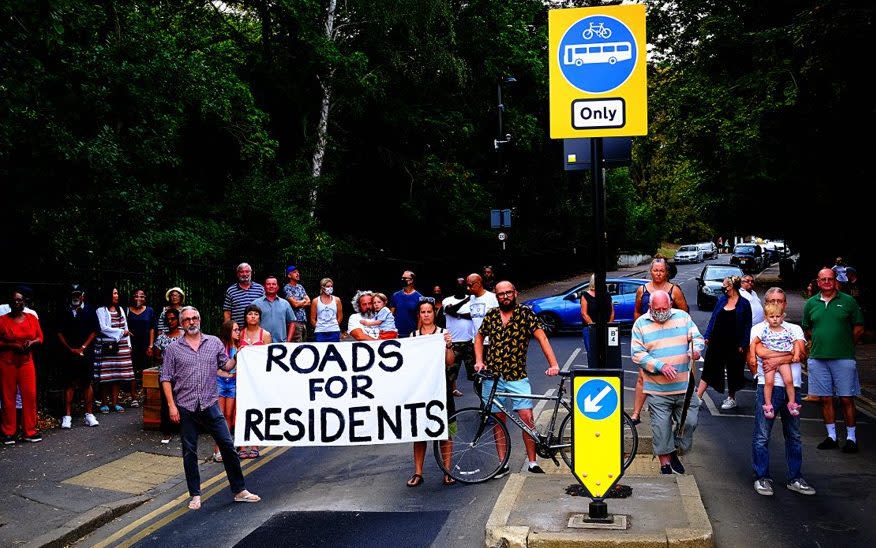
(268, 454)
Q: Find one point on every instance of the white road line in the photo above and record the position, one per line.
(711, 405)
(571, 359)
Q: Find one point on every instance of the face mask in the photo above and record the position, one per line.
(75, 302)
(329, 290)
(661, 317)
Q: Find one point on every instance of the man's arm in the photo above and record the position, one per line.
(640, 355)
(479, 352)
(171, 405)
(857, 333)
(548, 351)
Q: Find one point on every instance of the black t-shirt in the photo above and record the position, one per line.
(593, 306)
(77, 324)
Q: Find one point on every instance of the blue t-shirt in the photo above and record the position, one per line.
(405, 306)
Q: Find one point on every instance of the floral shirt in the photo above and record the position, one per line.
(298, 293)
(506, 354)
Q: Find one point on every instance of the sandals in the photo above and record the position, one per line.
(254, 453)
(248, 497)
(457, 393)
(448, 480)
(243, 454)
(217, 457)
(415, 481)
(195, 503)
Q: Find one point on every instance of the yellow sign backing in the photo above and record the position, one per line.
(597, 439)
(598, 84)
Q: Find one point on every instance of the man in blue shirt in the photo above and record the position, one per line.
(403, 305)
(277, 316)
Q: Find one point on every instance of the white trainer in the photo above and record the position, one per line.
(729, 403)
(90, 420)
(66, 422)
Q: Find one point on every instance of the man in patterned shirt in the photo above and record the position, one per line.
(240, 295)
(188, 380)
(509, 329)
(297, 297)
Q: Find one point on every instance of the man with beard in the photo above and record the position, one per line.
(462, 332)
(509, 328)
(240, 295)
(364, 306)
(660, 346)
(76, 333)
(188, 380)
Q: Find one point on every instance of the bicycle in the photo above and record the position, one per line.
(481, 445)
(599, 29)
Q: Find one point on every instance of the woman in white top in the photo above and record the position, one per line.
(326, 313)
(112, 351)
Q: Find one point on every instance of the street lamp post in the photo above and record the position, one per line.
(499, 142)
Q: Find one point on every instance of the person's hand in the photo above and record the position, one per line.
(669, 372)
(752, 361)
(448, 340)
(149, 352)
(769, 365)
(553, 370)
(479, 366)
(695, 355)
(173, 412)
(706, 342)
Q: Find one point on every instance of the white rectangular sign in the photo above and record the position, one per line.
(348, 393)
(598, 113)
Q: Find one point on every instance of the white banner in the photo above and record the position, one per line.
(348, 393)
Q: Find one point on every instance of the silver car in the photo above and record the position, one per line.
(689, 254)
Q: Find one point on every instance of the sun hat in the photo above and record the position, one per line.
(178, 290)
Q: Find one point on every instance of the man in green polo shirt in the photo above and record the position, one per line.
(833, 322)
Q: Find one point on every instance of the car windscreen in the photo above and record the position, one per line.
(744, 250)
(688, 248)
(718, 274)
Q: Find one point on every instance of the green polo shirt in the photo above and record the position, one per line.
(831, 324)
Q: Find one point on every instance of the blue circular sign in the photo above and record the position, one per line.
(596, 399)
(597, 54)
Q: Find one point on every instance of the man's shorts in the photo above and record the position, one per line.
(521, 386)
(77, 370)
(833, 377)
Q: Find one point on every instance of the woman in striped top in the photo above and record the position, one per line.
(112, 351)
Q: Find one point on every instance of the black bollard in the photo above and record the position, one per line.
(598, 510)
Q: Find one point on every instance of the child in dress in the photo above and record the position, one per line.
(777, 337)
(383, 318)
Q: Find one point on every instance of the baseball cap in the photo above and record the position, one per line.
(290, 268)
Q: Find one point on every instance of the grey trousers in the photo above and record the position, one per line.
(665, 413)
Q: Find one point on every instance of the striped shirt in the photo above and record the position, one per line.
(654, 345)
(237, 299)
(193, 372)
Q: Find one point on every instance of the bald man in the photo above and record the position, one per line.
(660, 346)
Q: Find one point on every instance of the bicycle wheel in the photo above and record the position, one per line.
(476, 441)
(630, 435)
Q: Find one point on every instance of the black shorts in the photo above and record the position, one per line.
(77, 370)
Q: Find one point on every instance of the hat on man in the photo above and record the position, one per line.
(182, 294)
(76, 288)
(290, 268)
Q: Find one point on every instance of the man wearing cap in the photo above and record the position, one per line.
(175, 298)
(277, 317)
(297, 297)
(76, 333)
(241, 294)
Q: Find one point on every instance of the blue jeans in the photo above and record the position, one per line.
(760, 453)
(212, 420)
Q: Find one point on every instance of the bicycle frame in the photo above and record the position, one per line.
(530, 431)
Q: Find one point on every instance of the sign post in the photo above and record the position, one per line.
(597, 434)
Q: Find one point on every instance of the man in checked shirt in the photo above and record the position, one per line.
(188, 379)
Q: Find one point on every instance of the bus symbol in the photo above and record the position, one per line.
(591, 54)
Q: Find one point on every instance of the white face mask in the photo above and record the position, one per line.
(328, 290)
(661, 317)
(75, 302)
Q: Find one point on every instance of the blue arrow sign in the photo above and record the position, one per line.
(597, 399)
(597, 54)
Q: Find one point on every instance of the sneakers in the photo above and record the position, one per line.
(729, 403)
(665, 469)
(801, 487)
(675, 463)
(851, 446)
(34, 438)
(66, 422)
(794, 408)
(90, 420)
(536, 469)
(764, 486)
(828, 443)
(769, 412)
(8, 440)
(504, 471)
(134, 403)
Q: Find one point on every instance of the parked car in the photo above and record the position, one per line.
(710, 250)
(689, 254)
(709, 283)
(751, 258)
(562, 312)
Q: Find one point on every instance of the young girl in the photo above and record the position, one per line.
(383, 318)
(777, 337)
(229, 334)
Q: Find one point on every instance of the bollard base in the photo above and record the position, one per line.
(612, 521)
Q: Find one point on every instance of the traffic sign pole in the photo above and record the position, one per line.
(597, 433)
(598, 341)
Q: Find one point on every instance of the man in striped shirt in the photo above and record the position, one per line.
(240, 295)
(660, 346)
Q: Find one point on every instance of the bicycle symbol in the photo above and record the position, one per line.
(598, 29)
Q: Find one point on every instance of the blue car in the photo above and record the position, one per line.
(562, 312)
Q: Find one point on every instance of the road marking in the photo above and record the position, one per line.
(711, 405)
(571, 359)
(267, 455)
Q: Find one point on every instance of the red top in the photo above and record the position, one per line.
(18, 333)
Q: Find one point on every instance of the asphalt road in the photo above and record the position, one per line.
(357, 497)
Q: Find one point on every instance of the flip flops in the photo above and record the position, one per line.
(243, 454)
(195, 503)
(415, 481)
(217, 457)
(448, 480)
(248, 497)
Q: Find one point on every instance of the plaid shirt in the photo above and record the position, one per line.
(193, 372)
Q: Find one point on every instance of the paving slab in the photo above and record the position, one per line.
(533, 510)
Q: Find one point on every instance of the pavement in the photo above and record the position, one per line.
(74, 481)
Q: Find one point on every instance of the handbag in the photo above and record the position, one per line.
(109, 348)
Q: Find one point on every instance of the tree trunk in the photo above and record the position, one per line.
(325, 107)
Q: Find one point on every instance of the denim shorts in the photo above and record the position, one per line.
(521, 386)
(227, 387)
(833, 377)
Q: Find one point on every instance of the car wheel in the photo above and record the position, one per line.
(550, 322)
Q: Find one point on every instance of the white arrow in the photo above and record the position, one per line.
(592, 406)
